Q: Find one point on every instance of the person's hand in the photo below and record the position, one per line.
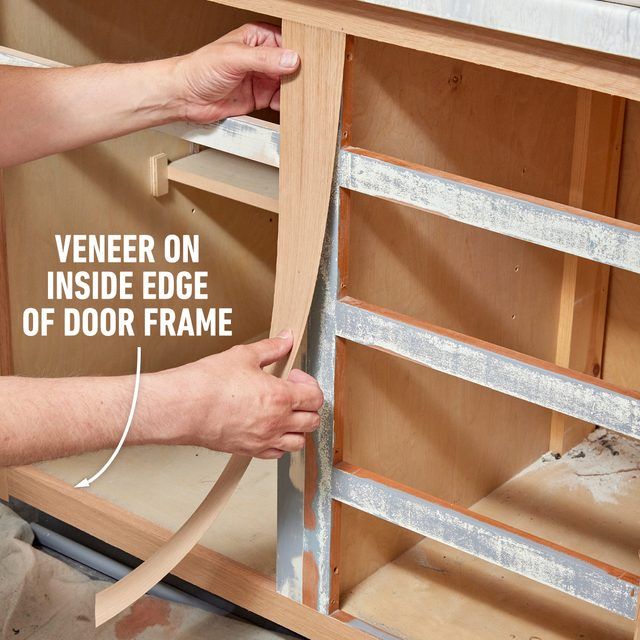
(228, 403)
(234, 75)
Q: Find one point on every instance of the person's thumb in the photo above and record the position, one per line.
(273, 349)
(272, 61)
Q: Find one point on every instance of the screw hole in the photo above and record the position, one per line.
(513, 316)
(516, 268)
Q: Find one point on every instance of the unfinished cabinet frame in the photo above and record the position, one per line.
(311, 545)
(241, 163)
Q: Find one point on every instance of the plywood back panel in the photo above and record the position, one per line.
(430, 431)
(115, 30)
(480, 283)
(438, 434)
(497, 127)
(104, 189)
(622, 338)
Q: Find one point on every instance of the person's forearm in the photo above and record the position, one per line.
(45, 111)
(50, 418)
(224, 402)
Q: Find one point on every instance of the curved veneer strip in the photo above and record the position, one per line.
(311, 106)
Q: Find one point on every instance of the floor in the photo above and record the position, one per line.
(587, 500)
(44, 598)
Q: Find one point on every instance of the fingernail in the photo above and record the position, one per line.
(288, 59)
(284, 334)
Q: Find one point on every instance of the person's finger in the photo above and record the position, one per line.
(302, 422)
(258, 32)
(263, 33)
(301, 377)
(291, 442)
(275, 101)
(272, 61)
(273, 349)
(305, 396)
(263, 90)
(270, 454)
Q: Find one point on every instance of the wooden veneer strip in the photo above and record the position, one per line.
(114, 599)
(203, 567)
(310, 104)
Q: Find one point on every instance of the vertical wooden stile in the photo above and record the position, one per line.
(340, 357)
(310, 110)
(583, 297)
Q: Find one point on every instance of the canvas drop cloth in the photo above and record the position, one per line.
(42, 598)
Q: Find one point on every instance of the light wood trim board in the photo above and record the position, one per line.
(594, 186)
(229, 176)
(538, 58)
(202, 567)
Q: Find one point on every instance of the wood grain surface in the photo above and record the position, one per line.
(585, 284)
(310, 105)
(508, 130)
(203, 566)
(528, 56)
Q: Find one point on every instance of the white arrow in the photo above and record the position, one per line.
(87, 481)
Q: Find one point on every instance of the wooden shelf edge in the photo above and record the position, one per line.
(202, 567)
(228, 176)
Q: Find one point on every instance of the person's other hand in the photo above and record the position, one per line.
(234, 406)
(234, 75)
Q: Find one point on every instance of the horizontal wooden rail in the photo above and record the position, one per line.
(581, 233)
(229, 176)
(242, 136)
(530, 56)
(512, 549)
(488, 365)
(202, 567)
